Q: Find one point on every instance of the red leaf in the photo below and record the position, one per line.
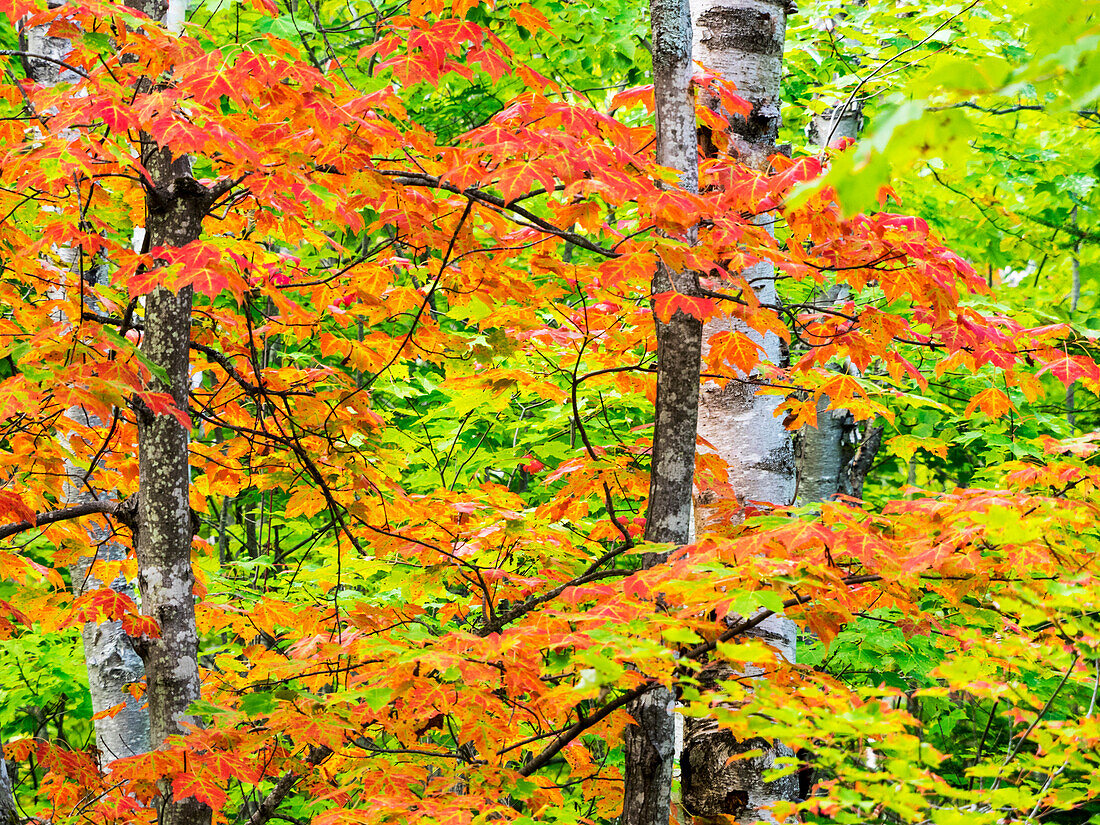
(665, 305)
(1069, 368)
(203, 788)
(137, 626)
(161, 403)
(12, 508)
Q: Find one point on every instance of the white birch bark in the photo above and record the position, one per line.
(823, 452)
(111, 661)
(743, 41)
(9, 814)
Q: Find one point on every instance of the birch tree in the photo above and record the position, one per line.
(833, 459)
(111, 660)
(742, 40)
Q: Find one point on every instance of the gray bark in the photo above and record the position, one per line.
(111, 660)
(109, 653)
(833, 458)
(837, 121)
(9, 814)
(743, 41)
(165, 576)
(651, 743)
(821, 456)
(174, 212)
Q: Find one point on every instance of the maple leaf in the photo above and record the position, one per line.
(109, 713)
(1069, 368)
(530, 18)
(162, 403)
(12, 508)
(267, 6)
(516, 177)
(634, 96)
(137, 626)
(734, 348)
(201, 786)
(665, 305)
(992, 402)
(106, 603)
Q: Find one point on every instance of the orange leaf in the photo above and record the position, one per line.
(203, 788)
(734, 348)
(460, 7)
(665, 305)
(530, 18)
(632, 97)
(992, 402)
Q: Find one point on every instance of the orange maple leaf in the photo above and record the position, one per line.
(665, 305)
(992, 402)
(734, 348)
(202, 787)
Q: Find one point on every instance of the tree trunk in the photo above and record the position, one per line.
(165, 575)
(651, 743)
(9, 814)
(743, 41)
(825, 452)
(111, 660)
(174, 212)
(834, 459)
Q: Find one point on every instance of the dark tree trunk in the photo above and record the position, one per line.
(165, 576)
(175, 206)
(651, 743)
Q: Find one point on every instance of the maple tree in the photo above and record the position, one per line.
(400, 354)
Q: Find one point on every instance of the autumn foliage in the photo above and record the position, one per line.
(421, 419)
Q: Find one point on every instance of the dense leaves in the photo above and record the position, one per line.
(420, 413)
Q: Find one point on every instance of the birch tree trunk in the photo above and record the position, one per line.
(110, 657)
(9, 814)
(651, 743)
(743, 41)
(825, 453)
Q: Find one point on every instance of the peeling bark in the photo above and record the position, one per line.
(112, 663)
(743, 41)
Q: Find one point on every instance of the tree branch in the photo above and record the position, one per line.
(110, 508)
(432, 182)
(286, 782)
